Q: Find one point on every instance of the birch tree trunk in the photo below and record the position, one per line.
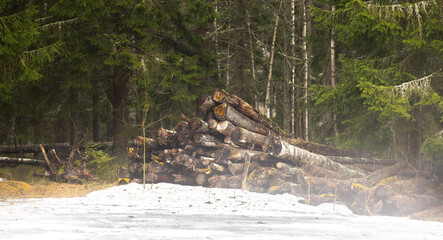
(333, 70)
(268, 87)
(293, 64)
(251, 49)
(306, 26)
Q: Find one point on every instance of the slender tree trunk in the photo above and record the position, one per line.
(216, 40)
(305, 32)
(333, 70)
(11, 130)
(268, 86)
(119, 103)
(286, 89)
(205, 46)
(132, 97)
(251, 49)
(228, 66)
(293, 65)
(95, 115)
(240, 48)
(73, 116)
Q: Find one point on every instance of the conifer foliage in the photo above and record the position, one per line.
(357, 74)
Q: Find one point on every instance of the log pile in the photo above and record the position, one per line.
(235, 146)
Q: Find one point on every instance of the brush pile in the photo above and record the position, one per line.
(235, 146)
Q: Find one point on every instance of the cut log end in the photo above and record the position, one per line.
(219, 95)
(220, 111)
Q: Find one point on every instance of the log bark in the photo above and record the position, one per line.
(236, 168)
(183, 128)
(369, 161)
(198, 125)
(224, 127)
(48, 163)
(208, 104)
(244, 183)
(318, 148)
(243, 107)
(166, 138)
(149, 142)
(201, 179)
(297, 155)
(243, 137)
(218, 181)
(207, 140)
(225, 112)
(185, 160)
(27, 161)
(212, 123)
(206, 160)
(237, 154)
(35, 148)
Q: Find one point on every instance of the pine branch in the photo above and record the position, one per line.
(58, 24)
(422, 84)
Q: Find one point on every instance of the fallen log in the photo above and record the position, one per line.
(207, 140)
(185, 160)
(300, 156)
(208, 104)
(27, 161)
(198, 125)
(223, 127)
(201, 179)
(183, 128)
(243, 137)
(218, 181)
(35, 148)
(148, 143)
(243, 107)
(225, 112)
(167, 138)
(236, 154)
(349, 160)
(318, 148)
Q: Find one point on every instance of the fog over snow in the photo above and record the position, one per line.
(168, 211)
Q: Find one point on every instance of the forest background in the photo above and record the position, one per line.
(360, 75)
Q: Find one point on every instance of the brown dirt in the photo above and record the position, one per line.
(17, 189)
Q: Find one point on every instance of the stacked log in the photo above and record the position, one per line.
(235, 146)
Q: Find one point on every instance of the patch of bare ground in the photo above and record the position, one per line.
(17, 189)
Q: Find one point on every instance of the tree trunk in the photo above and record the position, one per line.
(271, 61)
(216, 40)
(119, 112)
(305, 32)
(251, 50)
(293, 77)
(73, 116)
(95, 115)
(240, 48)
(333, 71)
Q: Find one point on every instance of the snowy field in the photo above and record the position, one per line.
(168, 211)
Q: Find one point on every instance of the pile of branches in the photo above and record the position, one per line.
(65, 168)
(235, 146)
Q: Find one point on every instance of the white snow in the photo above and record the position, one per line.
(167, 211)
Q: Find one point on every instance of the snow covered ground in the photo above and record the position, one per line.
(168, 211)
